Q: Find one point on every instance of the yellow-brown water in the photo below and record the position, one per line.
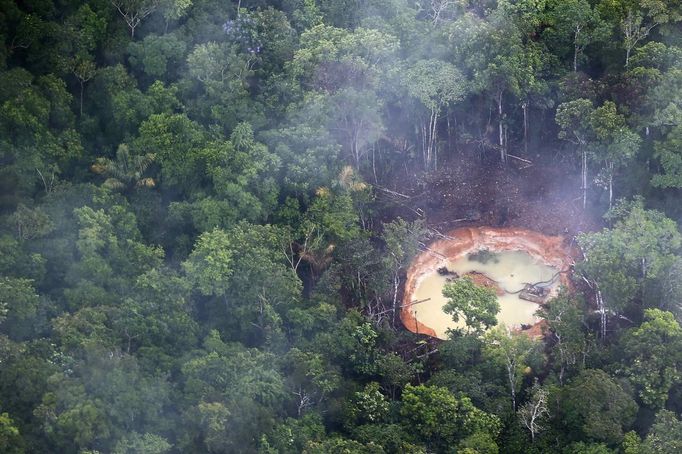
(510, 269)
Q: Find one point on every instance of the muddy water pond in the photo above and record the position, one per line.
(510, 270)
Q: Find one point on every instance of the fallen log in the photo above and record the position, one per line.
(519, 158)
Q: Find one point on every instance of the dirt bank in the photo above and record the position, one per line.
(550, 250)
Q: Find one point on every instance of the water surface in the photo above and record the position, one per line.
(511, 270)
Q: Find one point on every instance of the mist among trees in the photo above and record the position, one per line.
(208, 209)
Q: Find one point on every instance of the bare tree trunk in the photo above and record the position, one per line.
(432, 136)
(510, 376)
(503, 151)
(524, 106)
(425, 145)
(610, 166)
(562, 370)
(374, 165)
(602, 316)
(449, 135)
(584, 178)
(576, 48)
(396, 285)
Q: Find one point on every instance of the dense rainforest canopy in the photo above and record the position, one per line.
(207, 209)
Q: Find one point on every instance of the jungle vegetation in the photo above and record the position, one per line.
(194, 257)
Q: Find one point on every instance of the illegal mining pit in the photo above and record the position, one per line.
(523, 267)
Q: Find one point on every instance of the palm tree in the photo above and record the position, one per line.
(125, 171)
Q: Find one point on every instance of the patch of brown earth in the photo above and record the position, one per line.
(482, 280)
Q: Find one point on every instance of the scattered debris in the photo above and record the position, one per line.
(444, 271)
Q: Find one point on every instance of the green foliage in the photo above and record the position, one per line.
(604, 411)
(511, 351)
(207, 210)
(632, 444)
(293, 435)
(10, 438)
(665, 435)
(574, 25)
(341, 56)
(231, 392)
(588, 448)
(624, 258)
(369, 405)
(651, 355)
(210, 263)
(477, 305)
(155, 53)
(142, 444)
(565, 316)
(30, 223)
(126, 170)
(175, 140)
(667, 152)
(574, 119)
(242, 172)
(439, 419)
(104, 397)
(19, 307)
(435, 83)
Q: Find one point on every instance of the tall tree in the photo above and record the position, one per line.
(573, 118)
(435, 84)
(652, 360)
(402, 244)
(625, 258)
(535, 412)
(476, 305)
(566, 328)
(665, 435)
(603, 412)
(637, 19)
(574, 25)
(135, 11)
(616, 144)
(512, 350)
(440, 419)
(356, 118)
(10, 437)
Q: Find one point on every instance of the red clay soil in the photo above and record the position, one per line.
(482, 280)
(550, 250)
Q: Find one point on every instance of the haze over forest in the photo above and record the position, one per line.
(208, 211)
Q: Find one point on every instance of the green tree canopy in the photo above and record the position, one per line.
(475, 304)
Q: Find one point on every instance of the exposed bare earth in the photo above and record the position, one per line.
(550, 250)
(469, 192)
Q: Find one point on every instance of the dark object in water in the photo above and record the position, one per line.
(534, 293)
(483, 256)
(444, 271)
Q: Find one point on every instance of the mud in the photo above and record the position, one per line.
(547, 250)
(482, 280)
